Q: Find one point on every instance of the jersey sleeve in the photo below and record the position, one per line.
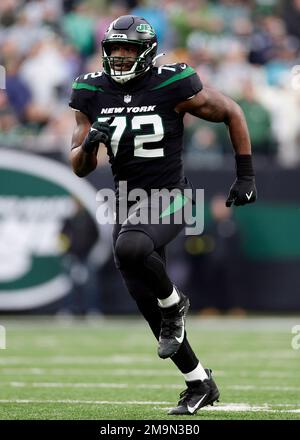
(178, 81)
(80, 97)
(188, 83)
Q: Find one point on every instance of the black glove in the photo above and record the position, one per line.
(243, 190)
(99, 132)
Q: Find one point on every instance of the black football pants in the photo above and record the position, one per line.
(139, 251)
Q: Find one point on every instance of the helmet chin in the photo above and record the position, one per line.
(122, 78)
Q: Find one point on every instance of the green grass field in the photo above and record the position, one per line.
(107, 369)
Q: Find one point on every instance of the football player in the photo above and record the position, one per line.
(136, 111)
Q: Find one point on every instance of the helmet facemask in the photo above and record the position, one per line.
(117, 67)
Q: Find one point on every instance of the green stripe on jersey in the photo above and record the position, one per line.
(177, 204)
(181, 75)
(79, 86)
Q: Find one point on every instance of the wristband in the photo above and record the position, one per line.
(244, 165)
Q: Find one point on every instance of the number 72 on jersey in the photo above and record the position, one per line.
(136, 124)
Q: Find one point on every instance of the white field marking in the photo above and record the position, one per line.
(261, 354)
(243, 407)
(265, 374)
(133, 372)
(79, 372)
(229, 407)
(206, 323)
(28, 371)
(89, 402)
(132, 358)
(275, 355)
(115, 359)
(255, 324)
(89, 385)
(261, 387)
(139, 386)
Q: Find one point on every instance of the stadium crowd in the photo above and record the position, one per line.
(246, 49)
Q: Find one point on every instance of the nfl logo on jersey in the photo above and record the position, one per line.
(127, 98)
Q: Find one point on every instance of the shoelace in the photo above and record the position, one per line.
(188, 392)
(184, 395)
(168, 328)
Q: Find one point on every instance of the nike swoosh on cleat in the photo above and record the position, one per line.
(182, 333)
(192, 409)
(249, 195)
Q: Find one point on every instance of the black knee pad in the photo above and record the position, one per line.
(131, 249)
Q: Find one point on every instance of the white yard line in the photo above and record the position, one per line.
(262, 388)
(22, 384)
(273, 323)
(89, 402)
(16, 384)
(228, 407)
(244, 407)
(134, 358)
(115, 359)
(134, 372)
(86, 372)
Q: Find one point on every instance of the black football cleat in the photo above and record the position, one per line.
(172, 330)
(197, 395)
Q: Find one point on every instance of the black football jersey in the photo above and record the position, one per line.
(146, 143)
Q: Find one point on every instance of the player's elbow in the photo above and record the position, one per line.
(81, 169)
(79, 172)
(77, 168)
(234, 113)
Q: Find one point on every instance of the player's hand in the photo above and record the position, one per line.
(99, 132)
(242, 191)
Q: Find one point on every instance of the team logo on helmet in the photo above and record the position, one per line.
(146, 28)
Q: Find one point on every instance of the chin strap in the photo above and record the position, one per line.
(157, 56)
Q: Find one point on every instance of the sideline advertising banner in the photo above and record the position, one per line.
(37, 196)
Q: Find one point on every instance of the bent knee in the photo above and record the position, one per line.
(132, 247)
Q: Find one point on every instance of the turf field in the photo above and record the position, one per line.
(108, 369)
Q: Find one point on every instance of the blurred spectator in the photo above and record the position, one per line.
(86, 296)
(259, 121)
(202, 147)
(8, 123)
(234, 70)
(24, 34)
(45, 72)
(158, 17)
(115, 10)
(45, 44)
(20, 96)
(271, 41)
(55, 136)
(194, 15)
(78, 25)
(282, 101)
(291, 17)
(234, 14)
(40, 12)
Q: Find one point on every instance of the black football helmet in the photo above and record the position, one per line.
(134, 30)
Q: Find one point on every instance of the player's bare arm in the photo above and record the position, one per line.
(211, 105)
(82, 162)
(85, 143)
